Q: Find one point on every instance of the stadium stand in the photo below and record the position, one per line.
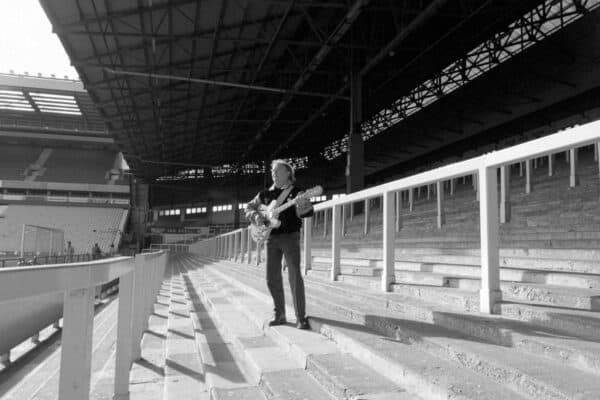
(16, 159)
(83, 226)
(60, 166)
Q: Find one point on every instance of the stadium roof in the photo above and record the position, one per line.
(237, 81)
(37, 104)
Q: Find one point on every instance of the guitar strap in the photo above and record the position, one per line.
(283, 196)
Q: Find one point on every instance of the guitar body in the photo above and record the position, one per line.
(260, 233)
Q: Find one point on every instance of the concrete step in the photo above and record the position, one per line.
(185, 372)
(279, 375)
(533, 380)
(430, 376)
(414, 260)
(577, 351)
(530, 376)
(342, 375)
(224, 370)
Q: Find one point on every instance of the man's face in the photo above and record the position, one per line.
(280, 175)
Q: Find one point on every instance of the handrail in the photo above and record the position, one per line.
(139, 281)
(484, 170)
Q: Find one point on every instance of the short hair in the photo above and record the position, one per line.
(287, 165)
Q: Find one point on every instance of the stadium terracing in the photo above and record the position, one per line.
(453, 254)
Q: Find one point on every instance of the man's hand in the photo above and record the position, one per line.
(303, 205)
(259, 219)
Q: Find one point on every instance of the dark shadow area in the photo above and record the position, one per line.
(233, 374)
(142, 362)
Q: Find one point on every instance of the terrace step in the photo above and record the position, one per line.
(578, 352)
(533, 380)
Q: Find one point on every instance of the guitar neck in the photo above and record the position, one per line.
(285, 206)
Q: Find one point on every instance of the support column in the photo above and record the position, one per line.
(488, 213)
(336, 232)
(573, 179)
(307, 244)
(411, 199)
(528, 176)
(325, 217)
(398, 200)
(355, 162)
(441, 217)
(504, 194)
(367, 216)
(550, 164)
(388, 273)
(452, 186)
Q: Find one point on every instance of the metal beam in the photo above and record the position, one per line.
(340, 30)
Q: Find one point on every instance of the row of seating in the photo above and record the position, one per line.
(83, 226)
(57, 165)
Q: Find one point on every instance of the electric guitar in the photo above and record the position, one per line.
(261, 232)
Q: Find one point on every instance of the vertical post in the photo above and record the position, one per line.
(521, 167)
(367, 216)
(307, 244)
(504, 194)
(488, 213)
(573, 180)
(123, 353)
(249, 249)
(325, 222)
(243, 238)
(595, 145)
(5, 359)
(351, 211)
(550, 164)
(452, 186)
(23, 241)
(76, 342)
(441, 216)
(343, 220)
(428, 191)
(236, 244)
(476, 186)
(398, 208)
(528, 176)
(388, 274)
(259, 246)
(411, 199)
(335, 241)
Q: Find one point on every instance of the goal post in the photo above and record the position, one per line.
(41, 241)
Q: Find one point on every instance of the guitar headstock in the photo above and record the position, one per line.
(314, 191)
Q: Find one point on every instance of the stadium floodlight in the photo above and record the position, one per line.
(41, 241)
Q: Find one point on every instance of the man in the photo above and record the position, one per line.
(96, 252)
(70, 251)
(283, 241)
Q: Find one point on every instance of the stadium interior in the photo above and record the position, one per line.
(453, 254)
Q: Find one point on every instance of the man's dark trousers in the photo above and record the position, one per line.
(288, 245)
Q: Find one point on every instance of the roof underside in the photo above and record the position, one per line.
(166, 75)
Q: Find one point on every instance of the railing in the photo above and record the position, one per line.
(484, 170)
(45, 260)
(139, 281)
(173, 247)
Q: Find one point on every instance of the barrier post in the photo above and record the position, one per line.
(488, 212)
(123, 353)
(76, 343)
(336, 232)
(388, 273)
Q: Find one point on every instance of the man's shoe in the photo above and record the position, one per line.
(278, 321)
(303, 323)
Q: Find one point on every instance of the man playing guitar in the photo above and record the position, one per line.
(283, 240)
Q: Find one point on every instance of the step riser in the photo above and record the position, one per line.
(468, 326)
(510, 291)
(459, 264)
(573, 326)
